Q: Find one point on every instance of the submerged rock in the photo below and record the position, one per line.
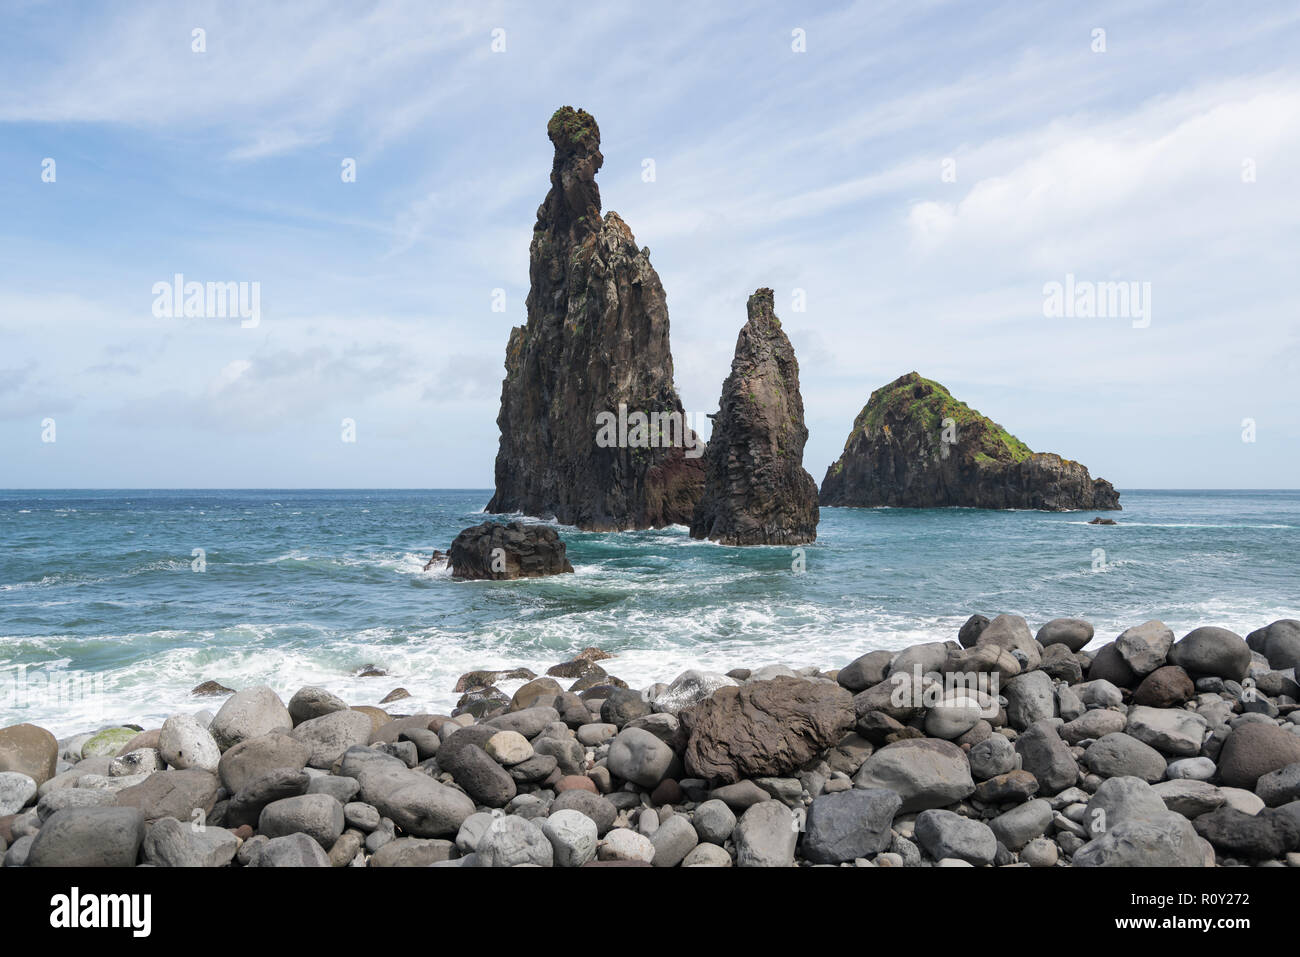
(914, 446)
(756, 491)
(501, 552)
(595, 347)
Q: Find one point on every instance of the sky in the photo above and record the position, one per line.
(910, 178)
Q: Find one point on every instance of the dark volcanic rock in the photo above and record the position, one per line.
(1278, 642)
(596, 338)
(499, 552)
(914, 446)
(756, 491)
(764, 729)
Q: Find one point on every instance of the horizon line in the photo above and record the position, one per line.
(489, 489)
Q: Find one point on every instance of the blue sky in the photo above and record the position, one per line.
(819, 171)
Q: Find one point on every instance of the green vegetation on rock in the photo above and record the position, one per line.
(925, 404)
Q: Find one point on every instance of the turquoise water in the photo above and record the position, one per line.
(309, 586)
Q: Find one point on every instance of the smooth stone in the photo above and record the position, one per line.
(247, 714)
(622, 844)
(638, 756)
(947, 835)
(170, 843)
(292, 850)
(311, 702)
(924, 772)
(673, 840)
(707, 855)
(413, 852)
(847, 825)
(1194, 769)
(572, 835)
(508, 748)
(318, 816)
(329, 735)
(1122, 755)
(766, 836)
(714, 821)
(1017, 827)
(255, 757)
(88, 837)
(1210, 651)
(1144, 647)
(1172, 731)
(17, 790)
(1074, 633)
(178, 794)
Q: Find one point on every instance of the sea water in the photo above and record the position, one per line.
(142, 595)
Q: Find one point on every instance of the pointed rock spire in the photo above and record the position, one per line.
(756, 491)
(595, 347)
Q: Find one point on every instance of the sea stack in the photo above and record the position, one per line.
(756, 491)
(594, 351)
(914, 446)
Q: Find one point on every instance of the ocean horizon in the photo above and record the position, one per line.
(149, 592)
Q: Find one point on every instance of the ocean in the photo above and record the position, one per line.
(109, 615)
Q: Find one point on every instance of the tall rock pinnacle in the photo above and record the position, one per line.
(592, 430)
(756, 491)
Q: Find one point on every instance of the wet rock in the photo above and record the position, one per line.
(690, 688)
(497, 552)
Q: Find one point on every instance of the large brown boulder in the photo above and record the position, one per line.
(764, 729)
(29, 750)
(1166, 687)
